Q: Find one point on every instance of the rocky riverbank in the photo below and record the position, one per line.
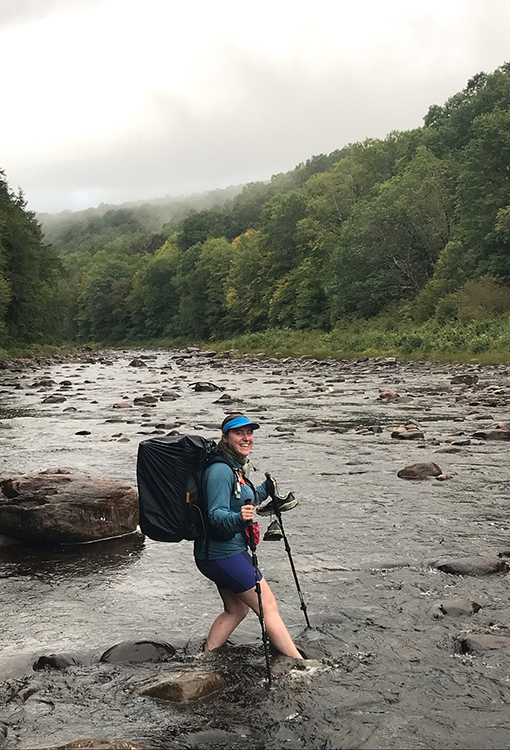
(405, 578)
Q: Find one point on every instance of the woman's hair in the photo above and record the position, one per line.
(223, 441)
(229, 417)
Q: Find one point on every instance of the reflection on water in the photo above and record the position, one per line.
(68, 561)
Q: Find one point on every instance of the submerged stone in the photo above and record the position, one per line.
(475, 566)
(185, 686)
(138, 651)
(420, 471)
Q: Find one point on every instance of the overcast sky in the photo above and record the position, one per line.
(116, 100)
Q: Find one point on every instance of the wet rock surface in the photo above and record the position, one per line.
(475, 566)
(185, 686)
(398, 651)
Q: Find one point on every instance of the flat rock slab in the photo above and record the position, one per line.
(475, 643)
(185, 686)
(475, 566)
(62, 507)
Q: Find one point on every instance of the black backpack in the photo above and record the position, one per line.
(172, 503)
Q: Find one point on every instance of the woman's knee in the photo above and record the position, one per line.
(237, 608)
(241, 610)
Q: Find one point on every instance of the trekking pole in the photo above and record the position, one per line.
(276, 507)
(253, 548)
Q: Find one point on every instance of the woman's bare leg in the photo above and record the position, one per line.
(235, 611)
(275, 627)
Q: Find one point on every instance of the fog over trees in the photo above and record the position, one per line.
(415, 226)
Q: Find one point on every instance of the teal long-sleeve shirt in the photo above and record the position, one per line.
(225, 511)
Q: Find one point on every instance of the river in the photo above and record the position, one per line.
(366, 545)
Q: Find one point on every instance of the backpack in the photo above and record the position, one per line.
(172, 504)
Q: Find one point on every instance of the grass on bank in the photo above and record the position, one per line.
(475, 342)
(478, 342)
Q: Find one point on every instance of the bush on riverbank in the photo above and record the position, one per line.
(486, 341)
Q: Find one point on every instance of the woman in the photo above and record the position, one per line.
(227, 562)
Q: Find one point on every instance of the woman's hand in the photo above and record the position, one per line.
(247, 513)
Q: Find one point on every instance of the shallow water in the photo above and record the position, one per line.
(365, 544)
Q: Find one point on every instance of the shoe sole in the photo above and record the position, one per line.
(268, 510)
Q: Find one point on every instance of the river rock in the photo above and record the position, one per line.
(478, 643)
(7, 541)
(145, 400)
(43, 383)
(502, 425)
(475, 566)
(465, 378)
(458, 608)
(203, 387)
(495, 434)
(408, 435)
(138, 651)
(420, 471)
(185, 686)
(66, 508)
(97, 743)
(55, 661)
(137, 363)
(169, 396)
(388, 395)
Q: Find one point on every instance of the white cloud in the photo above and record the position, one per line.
(124, 99)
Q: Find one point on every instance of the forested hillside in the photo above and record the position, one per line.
(412, 230)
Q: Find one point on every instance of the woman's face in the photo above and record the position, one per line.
(240, 440)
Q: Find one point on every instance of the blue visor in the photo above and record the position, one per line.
(232, 424)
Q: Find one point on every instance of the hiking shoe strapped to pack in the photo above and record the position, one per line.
(273, 533)
(284, 504)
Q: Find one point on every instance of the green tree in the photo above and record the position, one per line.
(154, 301)
(202, 307)
(483, 192)
(31, 304)
(103, 313)
(388, 248)
(246, 284)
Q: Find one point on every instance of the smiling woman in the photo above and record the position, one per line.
(225, 559)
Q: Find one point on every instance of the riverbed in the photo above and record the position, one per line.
(390, 671)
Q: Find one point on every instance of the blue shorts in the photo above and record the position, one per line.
(235, 573)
